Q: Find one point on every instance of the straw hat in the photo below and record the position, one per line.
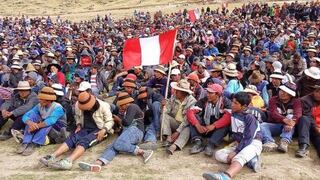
(143, 93)
(47, 93)
(256, 77)
(216, 68)
(313, 72)
(289, 88)
(181, 56)
(58, 89)
(252, 89)
(247, 48)
(161, 69)
(182, 85)
(231, 70)
(193, 77)
(19, 53)
(37, 63)
(277, 75)
(16, 65)
(312, 49)
(175, 72)
(84, 85)
(50, 54)
(86, 101)
(23, 85)
(124, 98)
(30, 68)
(174, 64)
(316, 59)
(231, 55)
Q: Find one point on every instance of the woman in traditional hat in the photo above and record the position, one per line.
(131, 118)
(94, 122)
(233, 84)
(55, 73)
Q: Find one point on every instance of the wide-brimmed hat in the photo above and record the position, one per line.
(216, 68)
(313, 72)
(182, 85)
(131, 76)
(247, 48)
(16, 65)
(231, 55)
(252, 89)
(50, 54)
(86, 101)
(312, 49)
(143, 93)
(181, 56)
(129, 83)
(124, 98)
(84, 85)
(316, 59)
(231, 70)
(55, 65)
(23, 85)
(175, 72)
(193, 77)
(277, 75)
(215, 88)
(160, 69)
(58, 89)
(289, 88)
(47, 93)
(30, 68)
(37, 63)
(256, 77)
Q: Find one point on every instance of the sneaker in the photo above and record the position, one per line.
(147, 155)
(21, 149)
(149, 145)
(208, 151)
(63, 164)
(255, 164)
(269, 147)
(197, 147)
(89, 167)
(283, 147)
(302, 151)
(215, 176)
(5, 135)
(17, 135)
(29, 150)
(47, 159)
(166, 144)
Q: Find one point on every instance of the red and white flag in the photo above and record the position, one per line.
(149, 51)
(194, 15)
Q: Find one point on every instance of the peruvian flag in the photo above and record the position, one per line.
(194, 15)
(149, 51)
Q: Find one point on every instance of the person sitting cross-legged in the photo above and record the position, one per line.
(247, 147)
(94, 121)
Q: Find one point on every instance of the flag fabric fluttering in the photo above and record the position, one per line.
(194, 15)
(149, 51)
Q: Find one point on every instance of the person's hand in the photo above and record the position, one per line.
(9, 114)
(163, 102)
(32, 126)
(287, 121)
(201, 129)
(288, 128)
(317, 129)
(210, 128)
(231, 156)
(175, 136)
(116, 119)
(78, 129)
(100, 134)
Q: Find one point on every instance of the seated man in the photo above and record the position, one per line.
(150, 102)
(284, 112)
(94, 121)
(309, 124)
(247, 146)
(209, 119)
(39, 121)
(131, 118)
(174, 116)
(16, 107)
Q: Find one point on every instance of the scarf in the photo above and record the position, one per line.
(212, 110)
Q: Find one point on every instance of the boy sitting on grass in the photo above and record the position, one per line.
(248, 146)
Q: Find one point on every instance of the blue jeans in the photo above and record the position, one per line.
(150, 134)
(272, 129)
(37, 137)
(156, 115)
(125, 143)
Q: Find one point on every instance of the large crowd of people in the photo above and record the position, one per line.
(248, 76)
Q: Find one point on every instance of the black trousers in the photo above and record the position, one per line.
(18, 124)
(307, 132)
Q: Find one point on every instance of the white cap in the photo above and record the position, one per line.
(85, 85)
(277, 66)
(175, 72)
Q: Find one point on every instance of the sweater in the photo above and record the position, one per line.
(19, 105)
